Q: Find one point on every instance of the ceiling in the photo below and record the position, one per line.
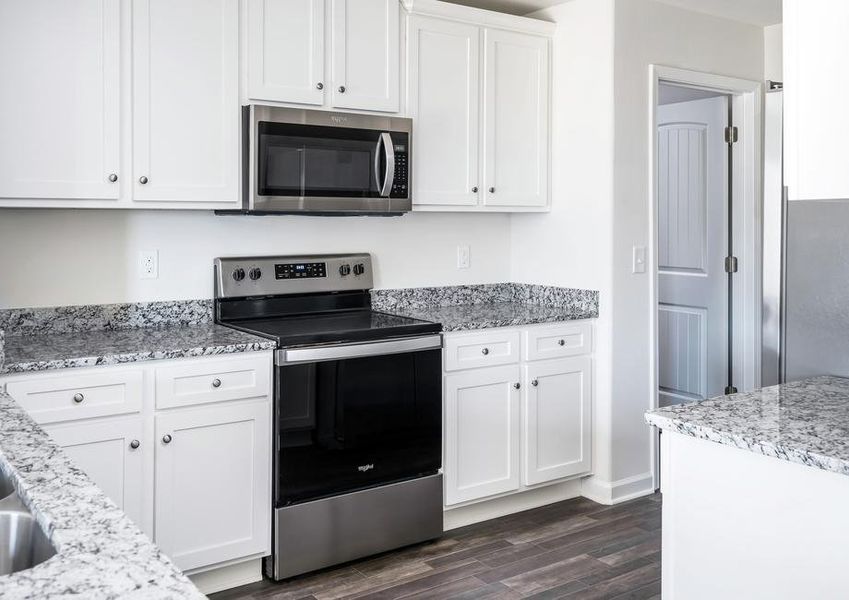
(756, 12)
(672, 94)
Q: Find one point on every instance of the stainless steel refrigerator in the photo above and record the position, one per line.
(805, 273)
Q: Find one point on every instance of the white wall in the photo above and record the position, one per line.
(648, 32)
(57, 257)
(572, 245)
(773, 52)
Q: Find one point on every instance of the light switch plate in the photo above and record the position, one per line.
(639, 263)
(463, 257)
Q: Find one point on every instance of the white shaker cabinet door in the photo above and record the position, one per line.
(213, 478)
(443, 64)
(481, 433)
(285, 47)
(59, 101)
(556, 410)
(112, 452)
(516, 99)
(365, 54)
(186, 102)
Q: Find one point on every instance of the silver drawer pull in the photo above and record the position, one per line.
(166, 439)
(535, 383)
(135, 444)
(561, 342)
(216, 383)
(78, 397)
(485, 351)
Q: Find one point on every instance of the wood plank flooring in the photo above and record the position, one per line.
(574, 549)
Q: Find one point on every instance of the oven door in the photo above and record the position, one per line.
(307, 162)
(356, 416)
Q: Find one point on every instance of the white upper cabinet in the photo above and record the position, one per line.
(443, 60)
(478, 89)
(185, 101)
(59, 100)
(365, 54)
(278, 31)
(341, 54)
(516, 116)
(816, 123)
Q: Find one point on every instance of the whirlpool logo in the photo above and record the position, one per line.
(365, 468)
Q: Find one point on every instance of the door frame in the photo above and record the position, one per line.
(747, 218)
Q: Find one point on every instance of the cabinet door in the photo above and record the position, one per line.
(213, 481)
(185, 101)
(104, 451)
(443, 70)
(285, 43)
(556, 411)
(816, 123)
(59, 99)
(516, 119)
(481, 433)
(365, 54)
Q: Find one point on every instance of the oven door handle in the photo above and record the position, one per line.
(385, 140)
(324, 353)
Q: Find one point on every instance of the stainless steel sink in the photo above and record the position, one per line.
(23, 543)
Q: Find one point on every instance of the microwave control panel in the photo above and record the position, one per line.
(400, 184)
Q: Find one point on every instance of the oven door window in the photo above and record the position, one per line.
(357, 423)
(305, 161)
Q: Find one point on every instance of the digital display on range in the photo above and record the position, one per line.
(300, 270)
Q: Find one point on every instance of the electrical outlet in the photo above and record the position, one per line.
(148, 264)
(463, 257)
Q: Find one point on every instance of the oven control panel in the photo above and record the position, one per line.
(281, 275)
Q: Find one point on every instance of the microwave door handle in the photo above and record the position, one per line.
(389, 155)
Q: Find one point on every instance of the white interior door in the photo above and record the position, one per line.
(692, 246)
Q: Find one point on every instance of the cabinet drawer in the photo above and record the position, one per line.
(558, 341)
(486, 349)
(213, 380)
(71, 396)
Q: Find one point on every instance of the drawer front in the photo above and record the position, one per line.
(213, 380)
(70, 396)
(487, 349)
(558, 341)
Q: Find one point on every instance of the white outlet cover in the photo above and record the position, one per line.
(148, 264)
(463, 257)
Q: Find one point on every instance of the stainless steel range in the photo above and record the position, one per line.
(357, 408)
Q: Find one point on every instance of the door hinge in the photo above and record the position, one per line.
(731, 134)
(730, 389)
(730, 264)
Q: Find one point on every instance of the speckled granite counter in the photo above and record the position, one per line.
(805, 422)
(100, 552)
(490, 305)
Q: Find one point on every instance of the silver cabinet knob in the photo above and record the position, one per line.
(341, 89)
(135, 444)
(216, 383)
(475, 190)
(166, 439)
(492, 190)
(319, 86)
(561, 342)
(485, 351)
(143, 180)
(78, 397)
(113, 177)
(517, 386)
(535, 383)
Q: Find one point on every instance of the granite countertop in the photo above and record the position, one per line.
(100, 552)
(484, 316)
(805, 422)
(109, 347)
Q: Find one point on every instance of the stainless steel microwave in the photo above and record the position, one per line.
(326, 163)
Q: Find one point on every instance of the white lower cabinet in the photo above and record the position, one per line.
(111, 452)
(213, 483)
(510, 427)
(191, 466)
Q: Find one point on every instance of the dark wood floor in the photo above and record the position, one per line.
(573, 549)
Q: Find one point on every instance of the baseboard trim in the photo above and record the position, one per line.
(507, 505)
(614, 492)
(228, 577)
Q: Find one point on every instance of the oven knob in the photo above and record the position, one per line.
(359, 269)
(255, 273)
(345, 270)
(238, 274)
